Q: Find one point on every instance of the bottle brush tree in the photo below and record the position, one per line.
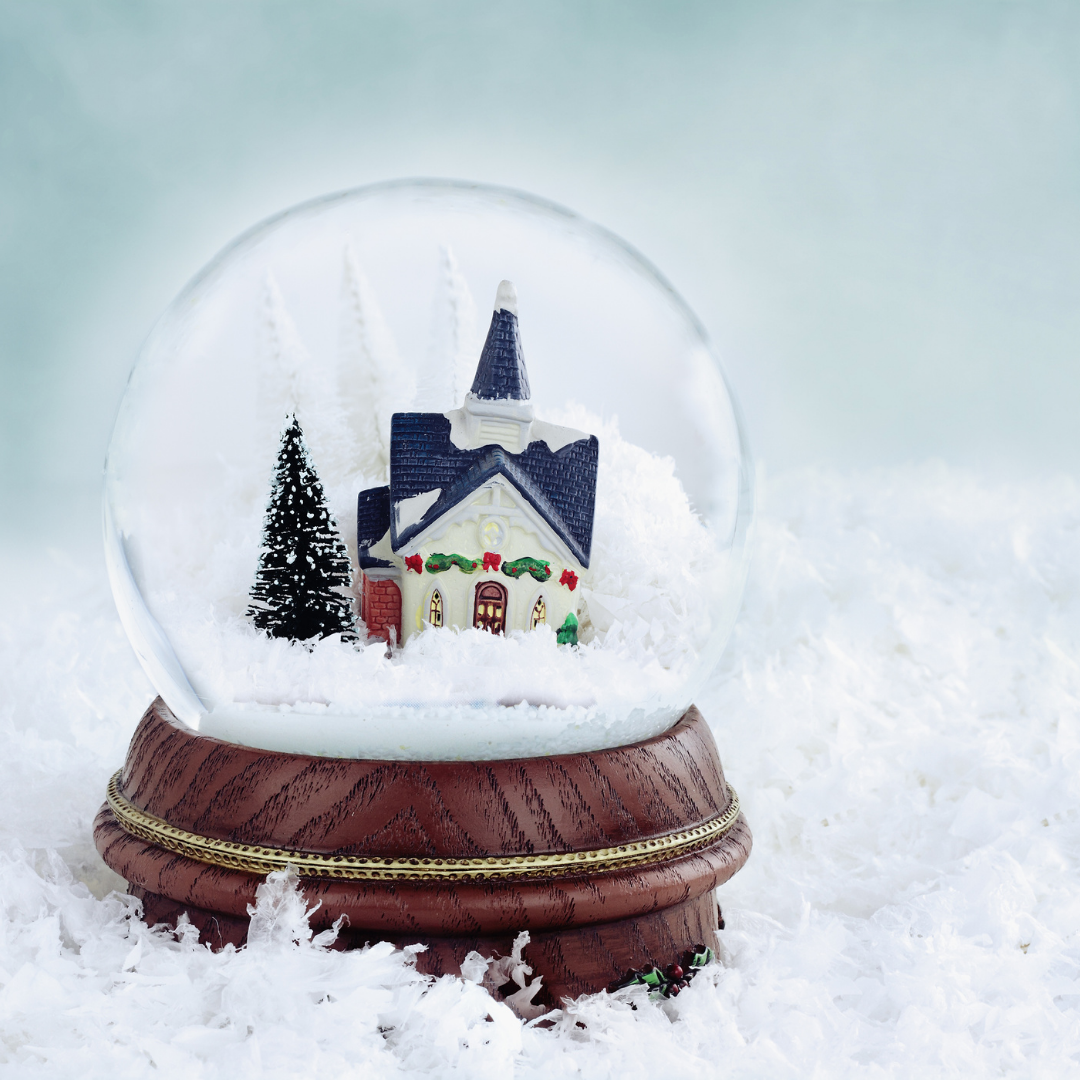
(304, 567)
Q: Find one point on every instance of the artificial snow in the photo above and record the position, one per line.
(411, 510)
(506, 297)
(649, 614)
(899, 710)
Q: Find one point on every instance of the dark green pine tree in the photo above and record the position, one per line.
(303, 561)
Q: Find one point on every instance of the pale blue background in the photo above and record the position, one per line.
(874, 206)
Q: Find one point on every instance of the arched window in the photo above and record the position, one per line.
(539, 613)
(435, 609)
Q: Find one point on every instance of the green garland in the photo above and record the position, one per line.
(438, 562)
(539, 568)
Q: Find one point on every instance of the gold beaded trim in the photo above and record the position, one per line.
(262, 860)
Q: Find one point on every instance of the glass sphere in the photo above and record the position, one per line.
(343, 313)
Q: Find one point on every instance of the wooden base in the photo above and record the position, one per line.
(643, 806)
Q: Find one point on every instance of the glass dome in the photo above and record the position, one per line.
(354, 308)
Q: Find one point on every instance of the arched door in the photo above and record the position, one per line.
(490, 607)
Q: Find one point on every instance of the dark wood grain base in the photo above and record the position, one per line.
(586, 928)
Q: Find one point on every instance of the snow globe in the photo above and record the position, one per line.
(427, 590)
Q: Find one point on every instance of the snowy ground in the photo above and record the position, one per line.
(899, 710)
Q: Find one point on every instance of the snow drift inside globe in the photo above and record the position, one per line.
(352, 510)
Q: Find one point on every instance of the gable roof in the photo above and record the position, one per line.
(560, 485)
(372, 521)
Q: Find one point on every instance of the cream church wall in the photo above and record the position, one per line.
(521, 538)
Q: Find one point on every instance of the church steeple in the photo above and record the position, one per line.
(501, 373)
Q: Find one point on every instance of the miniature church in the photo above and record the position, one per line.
(487, 520)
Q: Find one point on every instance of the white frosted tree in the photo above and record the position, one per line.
(291, 382)
(283, 362)
(455, 348)
(372, 381)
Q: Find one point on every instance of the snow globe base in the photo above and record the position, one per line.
(608, 859)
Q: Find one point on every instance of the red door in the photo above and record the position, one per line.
(490, 607)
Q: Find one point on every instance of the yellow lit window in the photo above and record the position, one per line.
(539, 613)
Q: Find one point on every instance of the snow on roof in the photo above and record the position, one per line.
(560, 485)
(372, 522)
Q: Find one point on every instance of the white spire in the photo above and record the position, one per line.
(506, 298)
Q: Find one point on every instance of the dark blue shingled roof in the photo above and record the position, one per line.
(372, 521)
(501, 372)
(561, 485)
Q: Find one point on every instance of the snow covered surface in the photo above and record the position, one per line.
(652, 618)
(899, 710)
